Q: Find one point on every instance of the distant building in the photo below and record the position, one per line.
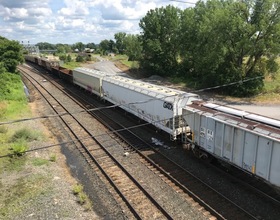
(111, 54)
(89, 50)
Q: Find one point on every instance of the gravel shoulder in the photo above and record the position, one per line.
(39, 185)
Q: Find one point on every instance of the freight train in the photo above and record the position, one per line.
(245, 140)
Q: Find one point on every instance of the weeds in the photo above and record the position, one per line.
(25, 134)
(78, 188)
(19, 148)
(3, 129)
(53, 158)
(39, 161)
(82, 198)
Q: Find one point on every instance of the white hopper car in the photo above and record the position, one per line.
(157, 105)
(248, 141)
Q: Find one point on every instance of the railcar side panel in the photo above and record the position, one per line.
(238, 141)
(251, 148)
(139, 104)
(274, 171)
(210, 134)
(250, 144)
(263, 153)
(90, 81)
(218, 138)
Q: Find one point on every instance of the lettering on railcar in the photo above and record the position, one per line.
(202, 132)
(210, 135)
(247, 167)
(168, 105)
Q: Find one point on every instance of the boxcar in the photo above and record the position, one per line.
(247, 144)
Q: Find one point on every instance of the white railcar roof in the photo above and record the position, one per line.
(237, 119)
(148, 89)
(91, 72)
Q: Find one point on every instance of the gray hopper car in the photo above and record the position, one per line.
(248, 144)
(157, 105)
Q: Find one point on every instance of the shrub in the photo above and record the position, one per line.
(19, 148)
(82, 198)
(53, 158)
(79, 59)
(25, 134)
(3, 129)
(77, 189)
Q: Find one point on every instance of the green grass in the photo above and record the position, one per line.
(271, 91)
(39, 161)
(15, 164)
(19, 148)
(272, 85)
(53, 158)
(124, 60)
(131, 64)
(3, 129)
(26, 134)
(21, 194)
(82, 198)
(13, 102)
(71, 65)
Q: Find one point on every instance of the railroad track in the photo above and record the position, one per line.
(139, 201)
(171, 173)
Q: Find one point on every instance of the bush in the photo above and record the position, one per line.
(79, 59)
(78, 188)
(69, 58)
(25, 134)
(19, 148)
(82, 198)
(53, 158)
(3, 129)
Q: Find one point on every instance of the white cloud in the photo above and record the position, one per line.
(74, 7)
(70, 21)
(18, 13)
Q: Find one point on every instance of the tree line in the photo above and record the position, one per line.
(217, 42)
(214, 43)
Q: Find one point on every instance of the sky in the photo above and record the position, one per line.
(72, 21)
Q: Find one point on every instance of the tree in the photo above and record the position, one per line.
(107, 46)
(63, 57)
(133, 46)
(224, 41)
(10, 55)
(80, 58)
(68, 58)
(91, 46)
(79, 45)
(112, 46)
(120, 45)
(160, 40)
(45, 46)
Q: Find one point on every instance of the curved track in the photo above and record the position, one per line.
(139, 201)
(175, 176)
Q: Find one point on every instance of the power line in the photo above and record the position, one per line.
(193, 3)
(91, 136)
(79, 139)
(138, 102)
(230, 84)
(111, 132)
